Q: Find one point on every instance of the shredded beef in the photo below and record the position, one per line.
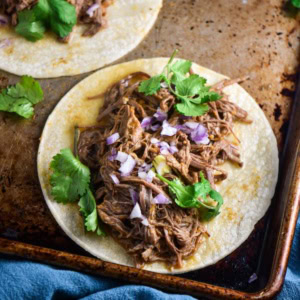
(173, 233)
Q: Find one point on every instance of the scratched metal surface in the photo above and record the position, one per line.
(258, 38)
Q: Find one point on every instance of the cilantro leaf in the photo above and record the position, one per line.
(29, 27)
(195, 195)
(191, 86)
(76, 177)
(20, 106)
(190, 89)
(190, 109)
(181, 66)
(64, 11)
(88, 208)
(296, 3)
(151, 86)
(21, 97)
(70, 182)
(41, 10)
(57, 15)
(27, 88)
(179, 70)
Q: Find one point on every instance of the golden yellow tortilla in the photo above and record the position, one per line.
(247, 191)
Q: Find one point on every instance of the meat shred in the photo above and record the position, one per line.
(174, 233)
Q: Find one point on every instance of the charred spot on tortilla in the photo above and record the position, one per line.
(165, 179)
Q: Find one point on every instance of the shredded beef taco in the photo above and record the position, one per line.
(52, 38)
(178, 162)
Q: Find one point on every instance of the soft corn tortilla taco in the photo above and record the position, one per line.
(247, 191)
(128, 22)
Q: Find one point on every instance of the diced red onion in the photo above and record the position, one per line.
(150, 176)
(154, 141)
(173, 149)
(91, 9)
(147, 122)
(127, 166)
(134, 196)
(142, 175)
(114, 178)
(200, 135)
(155, 127)
(113, 138)
(147, 176)
(145, 167)
(121, 156)
(5, 43)
(3, 20)
(168, 129)
(164, 151)
(161, 199)
(113, 155)
(252, 278)
(192, 125)
(160, 115)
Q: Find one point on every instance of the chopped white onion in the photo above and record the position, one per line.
(164, 151)
(137, 214)
(145, 221)
(91, 9)
(114, 178)
(127, 166)
(113, 138)
(168, 129)
(121, 156)
(161, 199)
(164, 85)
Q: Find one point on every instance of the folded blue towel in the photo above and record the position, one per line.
(21, 279)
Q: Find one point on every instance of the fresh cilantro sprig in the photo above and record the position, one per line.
(188, 196)
(57, 15)
(189, 89)
(70, 181)
(21, 97)
(296, 3)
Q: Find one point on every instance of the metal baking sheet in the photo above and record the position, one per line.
(259, 38)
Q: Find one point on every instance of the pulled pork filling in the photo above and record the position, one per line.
(165, 232)
(95, 21)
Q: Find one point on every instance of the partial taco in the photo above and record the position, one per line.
(52, 38)
(177, 165)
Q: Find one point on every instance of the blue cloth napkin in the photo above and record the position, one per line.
(21, 279)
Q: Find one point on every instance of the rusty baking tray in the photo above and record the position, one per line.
(258, 38)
